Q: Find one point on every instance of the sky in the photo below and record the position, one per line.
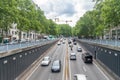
(65, 10)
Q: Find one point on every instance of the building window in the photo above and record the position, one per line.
(13, 32)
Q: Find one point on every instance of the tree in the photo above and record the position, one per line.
(64, 29)
(7, 12)
(52, 28)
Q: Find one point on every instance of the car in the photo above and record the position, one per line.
(74, 40)
(69, 42)
(80, 77)
(63, 42)
(46, 61)
(87, 57)
(58, 43)
(70, 45)
(74, 43)
(73, 56)
(56, 66)
(79, 49)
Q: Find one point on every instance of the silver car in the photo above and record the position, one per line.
(56, 66)
(72, 56)
(79, 49)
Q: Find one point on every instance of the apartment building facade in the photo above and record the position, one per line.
(114, 33)
(13, 34)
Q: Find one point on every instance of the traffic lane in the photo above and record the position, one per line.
(94, 69)
(74, 67)
(79, 67)
(44, 73)
(59, 55)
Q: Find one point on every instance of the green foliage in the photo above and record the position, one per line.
(64, 29)
(106, 14)
(27, 15)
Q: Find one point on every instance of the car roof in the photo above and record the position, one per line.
(87, 54)
(56, 61)
(73, 53)
(81, 76)
(46, 57)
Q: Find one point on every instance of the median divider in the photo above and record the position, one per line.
(67, 74)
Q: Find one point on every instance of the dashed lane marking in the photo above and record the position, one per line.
(84, 68)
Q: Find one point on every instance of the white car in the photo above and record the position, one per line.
(80, 77)
(72, 56)
(58, 43)
(46, 61)
(79, 49)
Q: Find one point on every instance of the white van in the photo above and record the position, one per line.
(80, 77)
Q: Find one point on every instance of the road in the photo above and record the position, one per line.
(74, 67)
(90, 70)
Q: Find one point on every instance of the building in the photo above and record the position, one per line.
(13, 34)
(114, 33)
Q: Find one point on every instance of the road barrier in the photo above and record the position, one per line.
(13, 65)
(107, 57)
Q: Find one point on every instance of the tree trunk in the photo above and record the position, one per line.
(116, 33)
(110, 33)
(20, 35)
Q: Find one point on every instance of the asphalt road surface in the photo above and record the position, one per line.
(69, 67)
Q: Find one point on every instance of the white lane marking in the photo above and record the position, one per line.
(63, 69)
(101, 71)
(84, 68)
(32, 72)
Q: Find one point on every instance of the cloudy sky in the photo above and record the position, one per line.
(65, 9)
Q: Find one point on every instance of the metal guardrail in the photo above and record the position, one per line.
(7, 47)
(103, 42)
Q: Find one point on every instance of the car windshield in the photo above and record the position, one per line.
(56, 63)
(46, 58)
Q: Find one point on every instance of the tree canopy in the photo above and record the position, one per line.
(105, 15)
(29, 17)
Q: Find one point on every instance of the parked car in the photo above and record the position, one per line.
(79, 49)
(46, 61)
(80, 77)
(87, 57)
(73, 56)
(56, 66)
